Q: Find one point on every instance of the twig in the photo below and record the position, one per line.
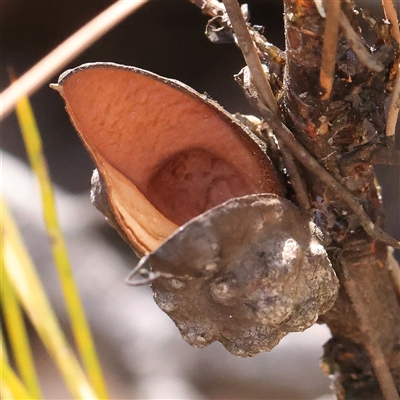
(358, 46)
(296, 180)
(329, 49)
(391, 14)
(250, 54)
(394, 107)
(65, 52)
(370, 341)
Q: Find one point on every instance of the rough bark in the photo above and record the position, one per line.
(333, 131)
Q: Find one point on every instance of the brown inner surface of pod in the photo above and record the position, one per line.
(183, 155)
(193, 181)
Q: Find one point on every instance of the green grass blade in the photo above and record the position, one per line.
(80, 327)
(18, 336)
(27, 285)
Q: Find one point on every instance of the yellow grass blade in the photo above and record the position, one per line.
(3, 349)
(23, 277)
(18, 336)
(14, 388)
(5, 391)
(80, 327)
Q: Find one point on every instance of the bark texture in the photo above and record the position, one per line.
(334, 130)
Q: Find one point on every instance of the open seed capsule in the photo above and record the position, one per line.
(165, 152)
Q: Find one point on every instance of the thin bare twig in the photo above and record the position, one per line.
(65, 52)
(358, 46)
(329, 49)
(391, 14)
(250, 54)
(394, 107)
(297, 181)
(264, 91)
(371, 343)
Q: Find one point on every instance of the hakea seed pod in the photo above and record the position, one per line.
(165, 153)
(244, 273)
(186, 184)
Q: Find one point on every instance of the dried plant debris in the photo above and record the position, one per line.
(244, 273)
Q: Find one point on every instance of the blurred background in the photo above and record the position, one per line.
(140, 348)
